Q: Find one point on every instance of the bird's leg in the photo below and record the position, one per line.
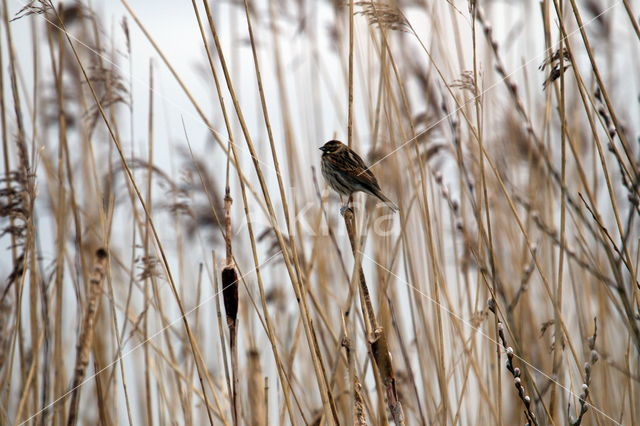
(345, 206)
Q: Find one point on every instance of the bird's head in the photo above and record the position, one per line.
(332, 147)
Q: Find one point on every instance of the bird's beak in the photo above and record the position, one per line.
(323, 149)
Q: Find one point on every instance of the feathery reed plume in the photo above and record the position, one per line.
(34, 7)
(383, 15)
(15, 207)
(110, 88)
(85, 341)
(467, 83)
(206, 208)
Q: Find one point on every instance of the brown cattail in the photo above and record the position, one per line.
(229, 274)
(230, 294)
(86, 335)
(230, 297)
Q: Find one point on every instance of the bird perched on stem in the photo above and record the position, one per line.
(346, 173)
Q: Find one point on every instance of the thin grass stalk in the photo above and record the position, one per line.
(118, 359)
(255, 389)
(7, 166)
(5, 138)
(272, 145)
(530, 131)
(618, 127)
(201, 114)
(425, 210)
(26, 198)
(530, 247)
(165, 263)
(407, 360)
(484, 201)
(31, 377)
(231, 149)
(632, 17)
(34, 281)
(559, 338)
(350, 78)
(294, 275)
(110, 82)
(145, 325)
(293, 236)
(290, 145)
(631, 324)
(349, 219)
(60, 235)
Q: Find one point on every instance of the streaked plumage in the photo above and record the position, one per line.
(346, 173)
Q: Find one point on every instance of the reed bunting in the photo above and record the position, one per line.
(346, 173)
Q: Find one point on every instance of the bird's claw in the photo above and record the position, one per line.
(343, 210)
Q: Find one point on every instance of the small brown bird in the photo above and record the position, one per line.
(346, 173)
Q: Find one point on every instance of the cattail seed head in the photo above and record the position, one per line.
(230, 293)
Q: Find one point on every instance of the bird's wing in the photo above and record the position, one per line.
(360, 172)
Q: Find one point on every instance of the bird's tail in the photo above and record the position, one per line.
(387, 201)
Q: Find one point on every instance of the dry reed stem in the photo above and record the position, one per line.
(85, 340)
(230, 296)
(255, 389)
(232, 150)
(515, 371)
(116, 141)
(357, 402)
(377, 337)
(293, 268)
